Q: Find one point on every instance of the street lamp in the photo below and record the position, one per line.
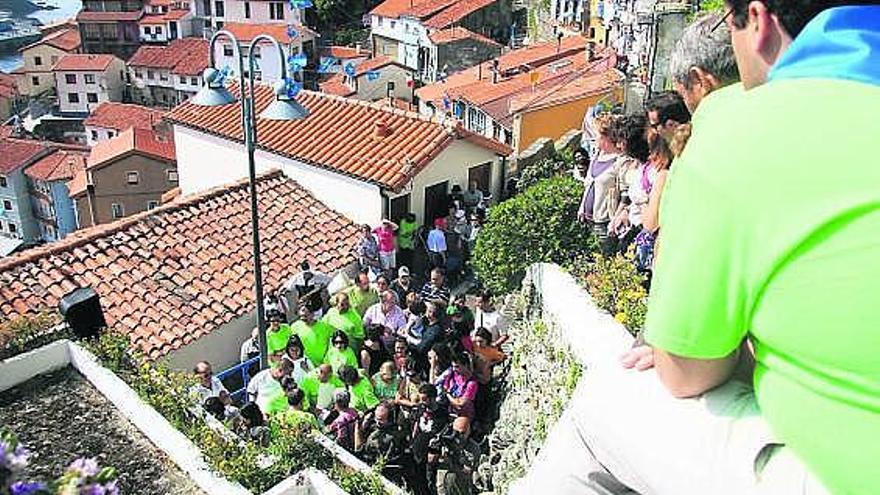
(284, 107)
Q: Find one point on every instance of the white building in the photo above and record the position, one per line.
(85, 81)
(215, 14)
(166, 26)
(365, 160)
(164, 76)
(268, 64)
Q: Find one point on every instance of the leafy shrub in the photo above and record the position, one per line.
(539, 225)
(28, 332)
(618, 288)
(547, 168)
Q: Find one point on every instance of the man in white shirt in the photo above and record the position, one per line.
(209, 385)
(265, 388)
(437, 245)
(491, 319)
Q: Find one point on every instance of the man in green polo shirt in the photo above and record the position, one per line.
(277, 335)
(343, 317)
(315, 335)
(777, 201)
(362, 295)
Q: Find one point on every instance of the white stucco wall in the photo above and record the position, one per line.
(220, 347)
(107, 86)
(387, 27)
(205, 161)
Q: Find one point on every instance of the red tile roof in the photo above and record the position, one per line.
(377, 63)
(427, 8)
(247, 32)
(171, 15)
(84, 62)
(339, 135)
(572, 88)
(394, 8)
(343, 52)
(131, 16)
(336, 86)
(456, 12)
(186, 56)
(457, 33)
(172, 275)
(66, 39)
(19, 152)
(60, 165)
(133, 140)
(534, 56)
(8, 86)
(121, 116)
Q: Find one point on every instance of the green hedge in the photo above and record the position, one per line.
(538, 225)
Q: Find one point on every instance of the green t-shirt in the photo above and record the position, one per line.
(405, 233)
(771, 229)
(294, 417)
(277, 341)
(385, 391)
(349, 322)
(362, 300)
(362, 396)
(315, 338)
(337, 359)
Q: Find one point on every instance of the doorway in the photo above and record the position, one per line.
(399, 208)
(436, 202)
(482, 174)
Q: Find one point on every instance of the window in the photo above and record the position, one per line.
(38, 60)
(227, 51)
(219, 24)
(138, 74)
(152, 204)
(94, 135)
(172, 175)
(35, 80)
(247, 10)
(207, 7)
(133, 177)
(90, 78)
(276, 11)
(72, 97)
(148, 30)
(219, 9)
(182, 80)
(476, 120)
(380, 21)
(150, 74)
(393, 23)
(163, 76)
(116, 210)
(70, 78)
(158, 29)
(7, 205)
(92, 97)
(92, 31)
(257, 54)
(110, 134)
(194, 81)
(3, 182)
(13, 228)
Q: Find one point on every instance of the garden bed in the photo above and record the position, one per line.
(60, 416)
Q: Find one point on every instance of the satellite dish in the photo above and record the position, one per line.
(140, 84)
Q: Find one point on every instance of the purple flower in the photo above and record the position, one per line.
(26, 487)
(14, 459)
(86, 467)
(96, 489)
(111, 488)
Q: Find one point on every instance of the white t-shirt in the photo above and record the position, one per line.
(263, 387)
(637, 194)
(301, 368)
(204, 393)
(493, 321)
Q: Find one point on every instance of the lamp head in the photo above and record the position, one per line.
(284, 107)
(213, 93)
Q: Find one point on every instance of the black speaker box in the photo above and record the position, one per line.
(82, 311)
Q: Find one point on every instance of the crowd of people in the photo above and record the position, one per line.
(390, 369)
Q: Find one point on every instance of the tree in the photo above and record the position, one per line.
(538, 225)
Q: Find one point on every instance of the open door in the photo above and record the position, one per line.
(436, 202)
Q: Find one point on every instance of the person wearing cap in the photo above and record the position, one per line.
(387, 250)
(402, 286)
(437, 244)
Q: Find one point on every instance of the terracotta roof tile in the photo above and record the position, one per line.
(60, 165)
(336, 86)
(456, 12)
(133, 140)
(247, 32)
(186, 56)
(394, 8)
(571, 89)
(427, 8)
(121, 116)
(66, 39)
(149, 311)
(343, 52)
(457, 33)
(534, 56)
(18, 152)
(97, 16)
(84, 62)
(377, 63)
(171, 15)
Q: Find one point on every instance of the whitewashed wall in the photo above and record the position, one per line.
(205, 161)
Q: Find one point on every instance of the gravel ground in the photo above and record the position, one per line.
(60, 416)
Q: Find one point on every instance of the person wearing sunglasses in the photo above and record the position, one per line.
(340, 353)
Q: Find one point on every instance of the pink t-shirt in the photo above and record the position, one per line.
(385, 237)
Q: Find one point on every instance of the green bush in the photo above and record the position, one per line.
(538, 225)
(618, 288)
(29, 332)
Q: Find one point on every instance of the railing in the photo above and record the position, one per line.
(242, 370)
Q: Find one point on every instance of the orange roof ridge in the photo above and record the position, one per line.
(81, 237)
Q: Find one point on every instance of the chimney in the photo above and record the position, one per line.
(382, 129)
(495, 71)
(558, 41)
(357, 48)
(591, 51)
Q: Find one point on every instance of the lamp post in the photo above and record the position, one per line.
(284, 107)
